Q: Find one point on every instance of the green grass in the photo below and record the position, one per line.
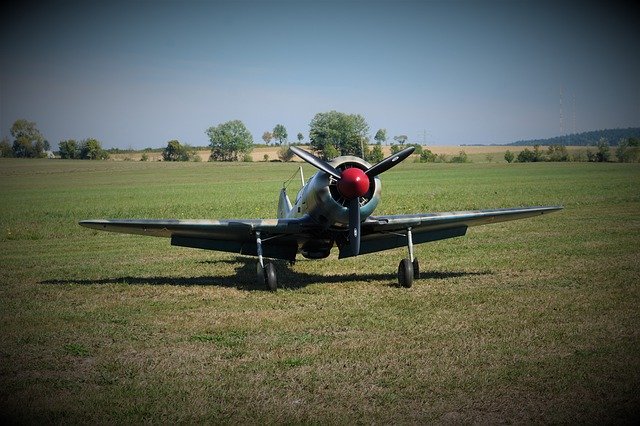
(531, 321)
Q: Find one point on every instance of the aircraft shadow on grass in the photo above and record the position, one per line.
(244, 277)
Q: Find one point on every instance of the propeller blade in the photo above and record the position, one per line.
(389, 162)
(315, 161)
(354, 226)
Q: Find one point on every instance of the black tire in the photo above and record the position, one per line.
(405, 273)
(260, 276)
(416, 269)
(271, 277)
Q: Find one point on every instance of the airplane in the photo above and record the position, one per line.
(333, 208)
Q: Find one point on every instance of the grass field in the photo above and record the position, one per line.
(532, 321)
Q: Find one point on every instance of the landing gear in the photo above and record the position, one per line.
(405, 273)
(270, 276)
(261, 278)
(265, 274)
(408, 269)
(416, 269)
(266, 277)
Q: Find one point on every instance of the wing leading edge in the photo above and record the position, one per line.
(282, 237)
(233, 235)
(387, 232)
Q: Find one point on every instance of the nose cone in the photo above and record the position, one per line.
(353, 183)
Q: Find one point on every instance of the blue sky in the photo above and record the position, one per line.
(140, 73)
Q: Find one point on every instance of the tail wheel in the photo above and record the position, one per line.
(270, 277)
(405, 273)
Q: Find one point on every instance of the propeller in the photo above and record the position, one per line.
(353, 183)
(315, 161)
(354, 226)
(389, 162)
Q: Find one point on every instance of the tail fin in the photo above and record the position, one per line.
(284, 204)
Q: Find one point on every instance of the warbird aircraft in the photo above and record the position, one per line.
(334, 208)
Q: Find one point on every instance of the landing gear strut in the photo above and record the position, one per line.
(408, 269)
(265, 274)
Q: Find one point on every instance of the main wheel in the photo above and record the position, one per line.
(270, 277)
(260, 275)
(416, 269)
(405, 273)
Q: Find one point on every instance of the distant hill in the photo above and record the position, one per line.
(613, 136)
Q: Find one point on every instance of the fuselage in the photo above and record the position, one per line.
(320, 201)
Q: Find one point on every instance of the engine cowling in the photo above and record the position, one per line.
(328, 204)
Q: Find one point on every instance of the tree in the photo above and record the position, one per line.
(462, 157)
(69, 149)
(365, 152)
(579, 156)
(557, 153)
(280, 133)
(538, 155)
(604, 152)
(417, 148)
(284, 153)
(401, 139)
(266, 137)
(628, 150)
(508, 156)
(381, 136)
(336, 133)
(91, 149)
(427, 156)
(175, 151)
(28, 142)
(397, 148)
(300, 137)
(23, 148)
(5, 148)
(331, 152)
(376, 154)
(229, 141)
(528, 156)
(525, 156)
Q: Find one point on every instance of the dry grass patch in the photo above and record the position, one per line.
(476, 153)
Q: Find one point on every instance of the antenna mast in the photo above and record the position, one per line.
(562, 132)
(422, 137)
(574, 113)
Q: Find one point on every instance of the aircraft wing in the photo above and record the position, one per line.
(280, 236)
(386, 232)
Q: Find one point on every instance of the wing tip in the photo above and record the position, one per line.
(93, 223)
(554, 208)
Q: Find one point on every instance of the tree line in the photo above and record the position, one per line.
(627, 151)
(331, 134)
(28, 142)
(614, 136)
